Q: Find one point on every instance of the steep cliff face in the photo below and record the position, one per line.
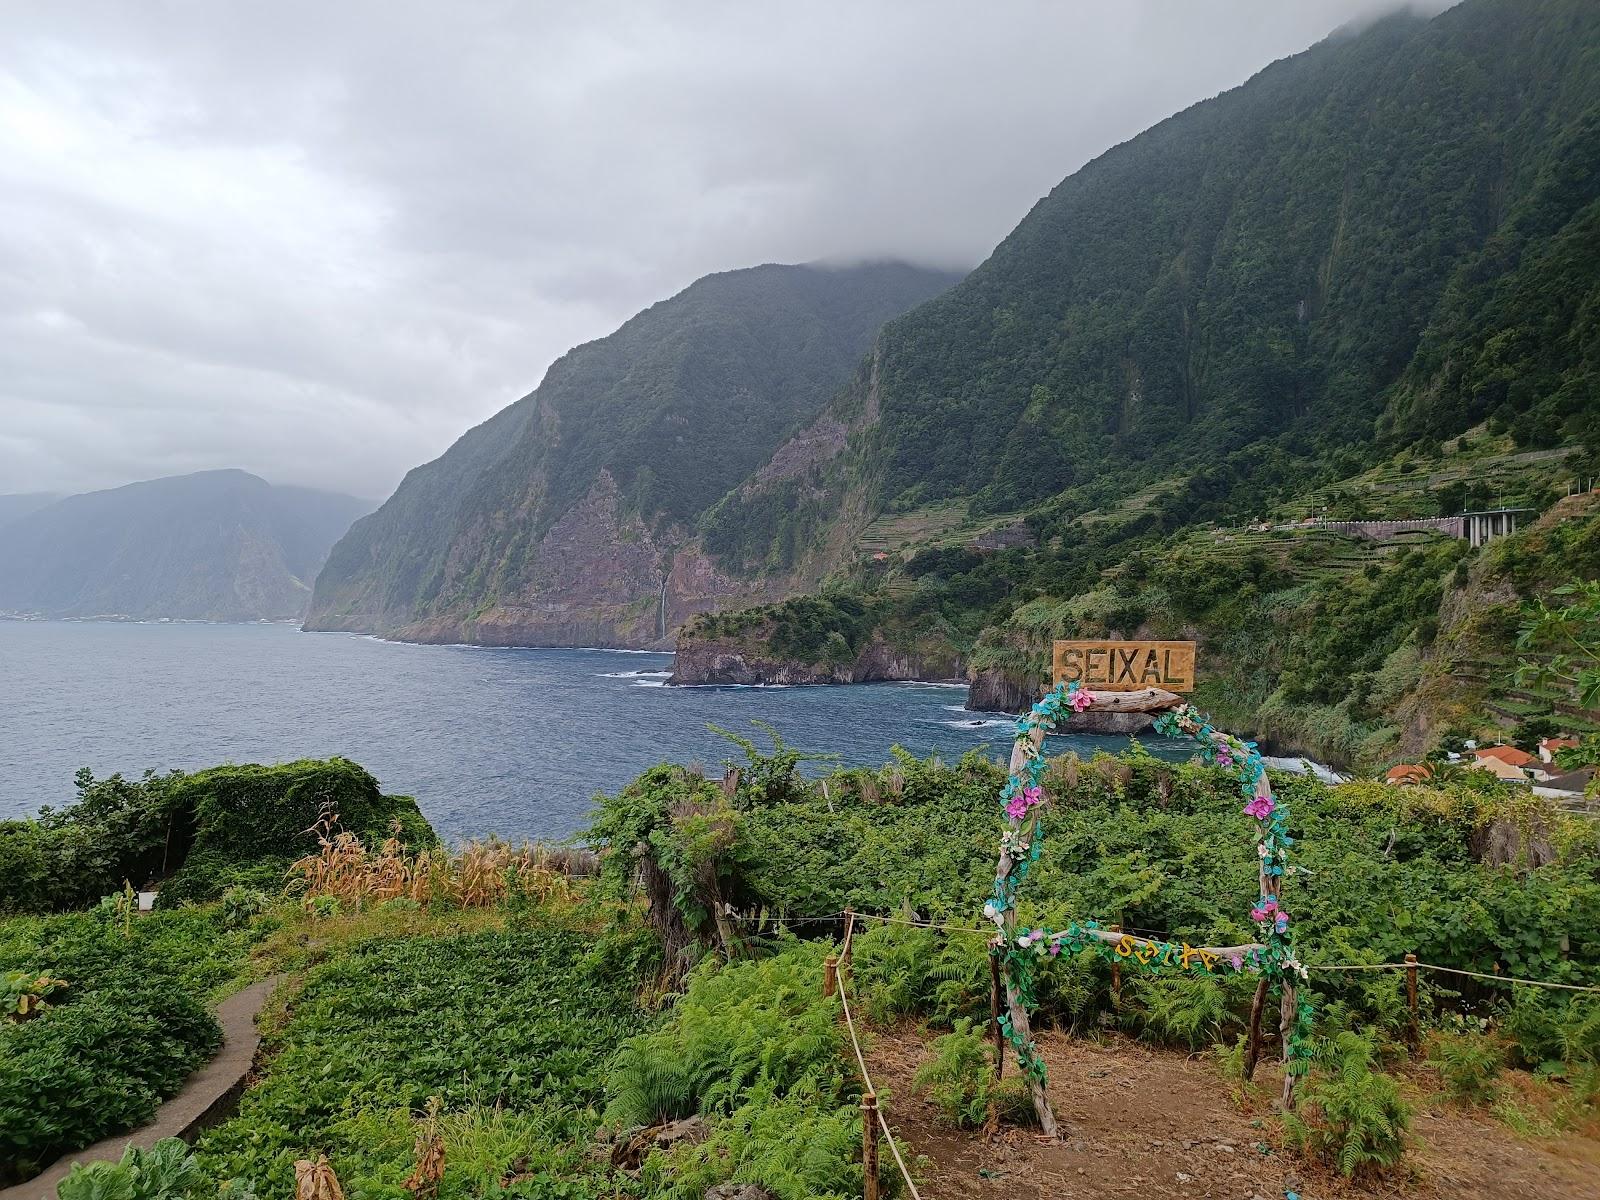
(571, 518)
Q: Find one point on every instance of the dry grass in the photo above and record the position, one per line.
(481, 874)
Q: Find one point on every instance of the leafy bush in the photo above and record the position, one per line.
(512, 1020)
(959, 1077)
(117, 829)
(1350, 1113)
(1190, 1011)
(124, 1033)
(749, 1023)
(1468, 1062)
(801, 1145)
(166, 1171)
(229, 826)
(960, 1081)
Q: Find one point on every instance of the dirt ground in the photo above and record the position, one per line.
(1152, 1123)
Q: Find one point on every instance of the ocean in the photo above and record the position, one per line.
(510, 742)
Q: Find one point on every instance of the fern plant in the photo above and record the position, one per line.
(959, 1076)
(754, 1023)
(1468, 1062)
(1351, 1114)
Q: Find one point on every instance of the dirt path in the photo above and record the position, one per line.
(1153, 1124)
(204, 1096)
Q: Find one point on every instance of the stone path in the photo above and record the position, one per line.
(205, 1096)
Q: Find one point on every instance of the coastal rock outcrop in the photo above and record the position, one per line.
(751, 660)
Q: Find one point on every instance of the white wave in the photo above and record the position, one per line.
(649, 683)
(974, 723)
(932, 683)
(1302, 766)
(724, 687)
(634, 675)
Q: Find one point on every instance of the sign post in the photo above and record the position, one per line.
(1123, 666)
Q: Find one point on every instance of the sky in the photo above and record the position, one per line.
(320, 241)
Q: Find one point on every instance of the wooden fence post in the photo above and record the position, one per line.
(1413, 1028)
(1116, 975)
(830, 975)
(1252, 1051)
(869, 1145)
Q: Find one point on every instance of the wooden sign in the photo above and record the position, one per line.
(1125, 666)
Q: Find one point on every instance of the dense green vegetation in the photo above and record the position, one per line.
(198, 833)
(125, 1024)
(509, 1030)
(529, 1031)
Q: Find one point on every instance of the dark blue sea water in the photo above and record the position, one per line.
(514, 742)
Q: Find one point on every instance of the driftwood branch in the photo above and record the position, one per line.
(1143, 700)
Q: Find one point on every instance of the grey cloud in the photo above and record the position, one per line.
(319, 241)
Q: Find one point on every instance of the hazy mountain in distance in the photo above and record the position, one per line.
(215, 545)
(20, 504)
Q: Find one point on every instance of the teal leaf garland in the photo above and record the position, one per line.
(1022, 800)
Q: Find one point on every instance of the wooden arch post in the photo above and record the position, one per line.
(1146, 700)
(1016, 854)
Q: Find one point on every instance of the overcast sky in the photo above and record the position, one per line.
(318, 241)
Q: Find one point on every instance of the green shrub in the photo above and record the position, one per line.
(763, 1022)
(236, 825)
(512, 1021)
(166, 1171)
(960, 1081)
(127, 1036)
(116, 830)
(1350, 1113)
(1186, 1010)
(1468, 1062)
(802, 1145)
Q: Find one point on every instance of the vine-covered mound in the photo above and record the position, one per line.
(199, 833)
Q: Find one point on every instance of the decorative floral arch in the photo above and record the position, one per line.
(1024, 802)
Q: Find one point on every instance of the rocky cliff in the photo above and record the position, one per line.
(572, 517)
(751, 658)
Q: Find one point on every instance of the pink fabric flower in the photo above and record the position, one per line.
(1238, 963)
(1081, 700)
(1265, 910)
(1259, 807)
(1017, 807)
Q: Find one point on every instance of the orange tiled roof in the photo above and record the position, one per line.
(1506, 754)
(1407, 773)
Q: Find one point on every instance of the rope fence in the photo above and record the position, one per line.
(1399, 966)
(834, 980)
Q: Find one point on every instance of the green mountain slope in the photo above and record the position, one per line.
(1288, 300)
(216, 545)
(560, 520)
(1290, 267)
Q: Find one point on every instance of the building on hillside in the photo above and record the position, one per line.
(1403, 774)
(1505, 762)
(1548, 747)
(1573, 783)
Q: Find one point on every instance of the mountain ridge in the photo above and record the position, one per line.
(568, 517)
(220, 545)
